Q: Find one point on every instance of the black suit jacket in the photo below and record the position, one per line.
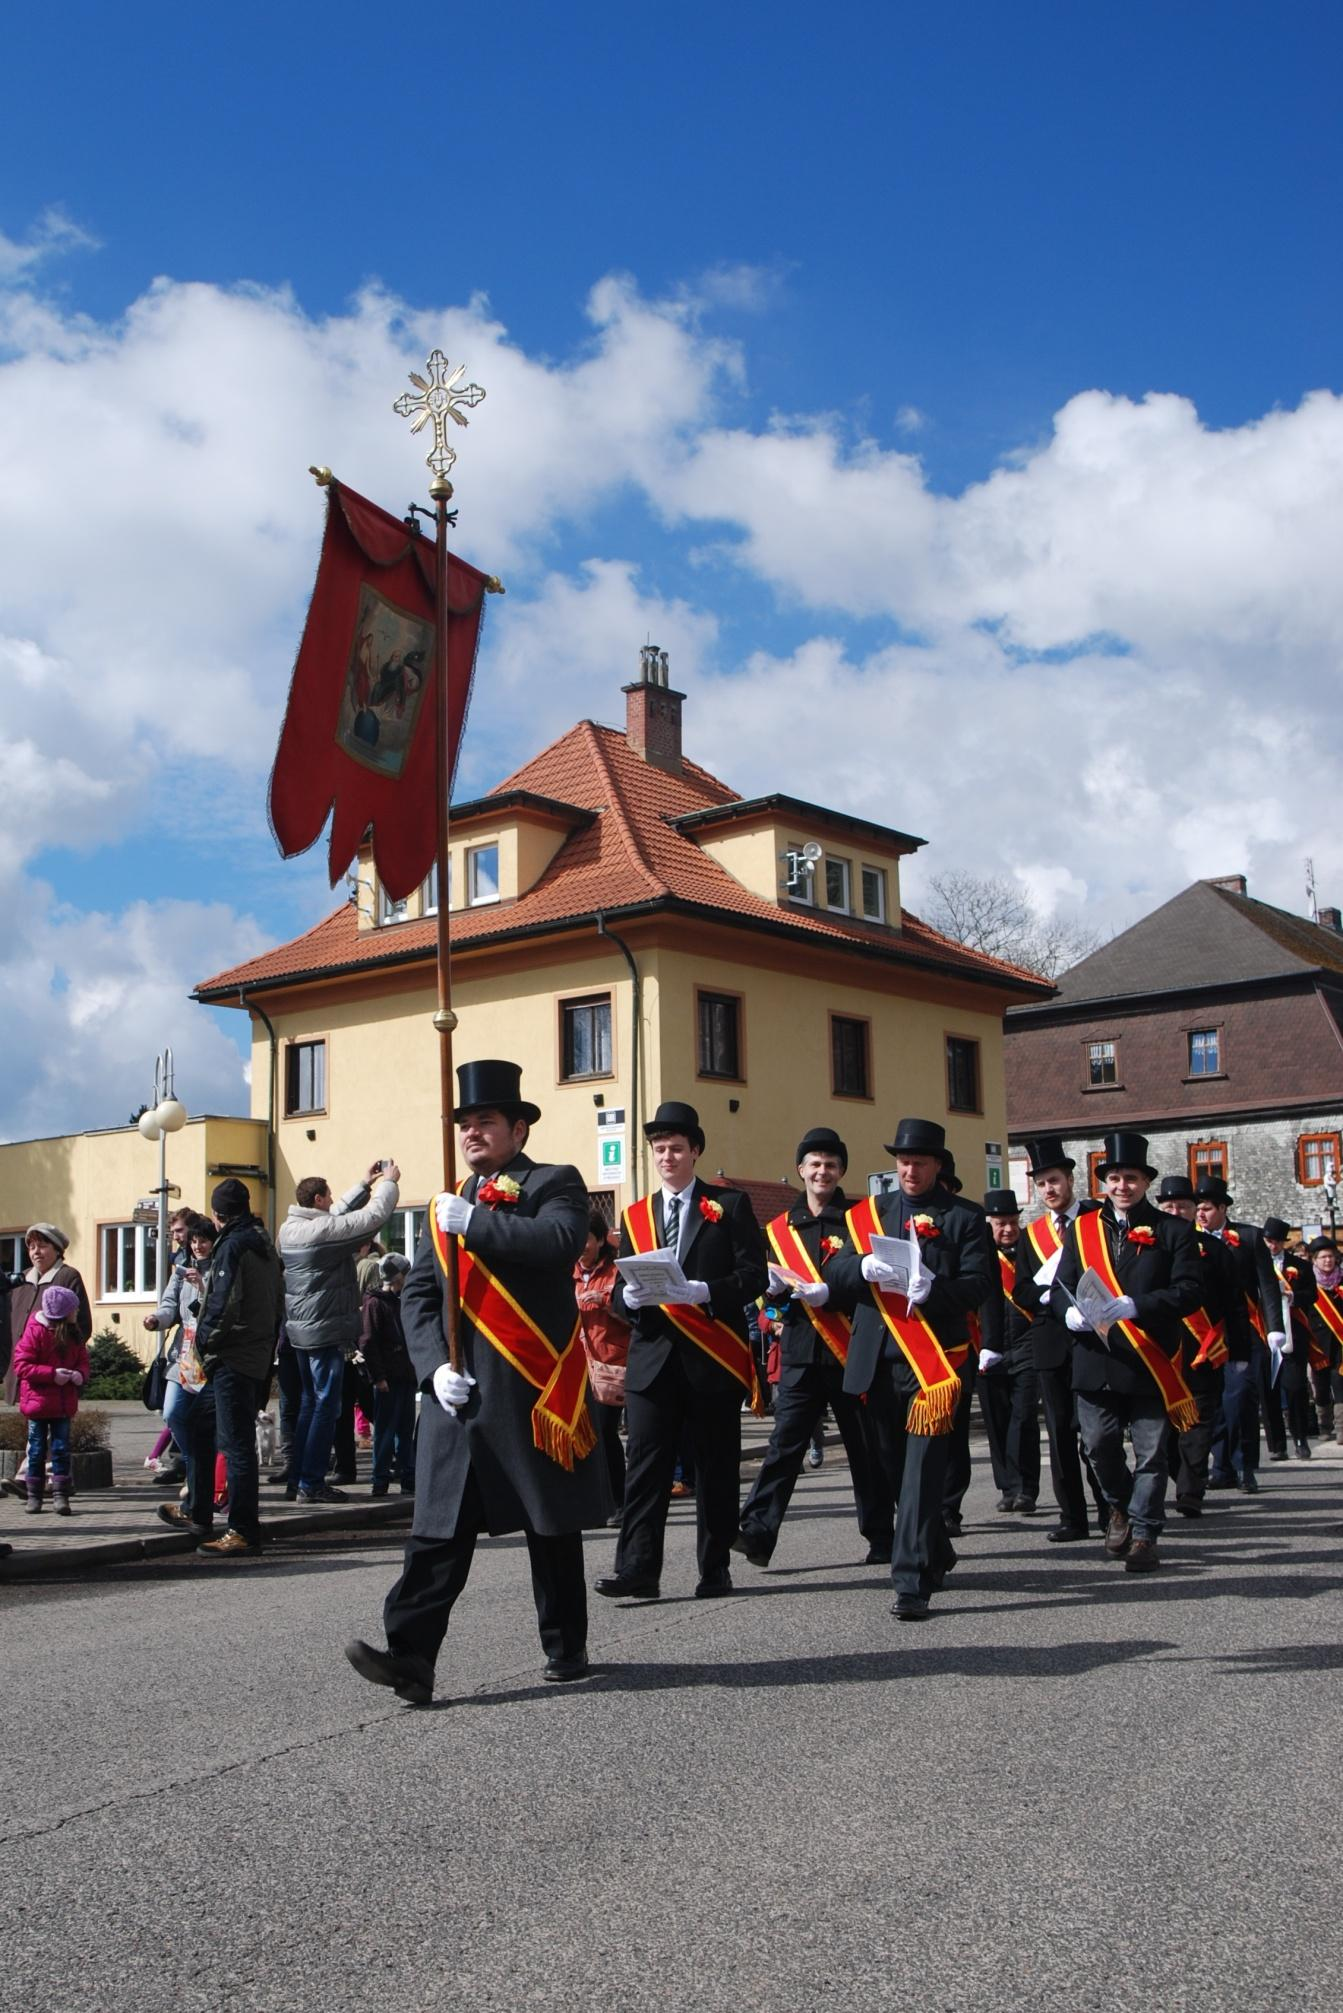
(729, 1256)
(959, 1257)
(1164, 1283)
(530, 1246)
(1253, 1262)
(1051, 1343)
(800, 1347)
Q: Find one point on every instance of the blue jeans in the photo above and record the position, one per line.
(323, 1373)
(394, 1435)
(48, 1435)
(223, 1415)
(1141, 1495)
(177, 1404)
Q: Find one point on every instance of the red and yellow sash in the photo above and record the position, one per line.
(1254, 1313)
(1044, 1238)
(793, 1255)
(1093, 1249)
(934, 1410)
(1301, 1322)
(561, 1423)
(1210, 1336)
(714, 1337)
(1331, 1313)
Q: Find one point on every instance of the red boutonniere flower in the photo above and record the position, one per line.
(1142, 1233)
(829, 1246)
(924, 1226)
(1231, 1237)
(710, 1209)
(1291, 1271)
(499, 1189)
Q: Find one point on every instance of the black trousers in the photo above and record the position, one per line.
(416, 1612)
(798, 1409)
(1294, 1390)
(1065, 1452)
(1009, 1404)
(913, 1468)
(1270, 1399)
(607, 1418)
(656, 1417)
(1189, 1451)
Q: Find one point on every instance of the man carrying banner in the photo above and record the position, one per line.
(506, 1443)
(690, 1365)
(909, 1348)
(1126, 1360)
(1204, 1348)
(814, 1348)
(1246, 1376)
(1037, 1256)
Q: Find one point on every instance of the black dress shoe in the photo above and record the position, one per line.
(910, 1608)
(714, 1585)
(628, 1587)
(753, 1549)
(953, 1525)
(411, 1678)
(1024, 1506)
(1067, 1534)
(878, 1555)
(1303, 1450)
(563, 1670)
(1278, 1454)
(1006, 1503)
(1221, 1481)
(1248, 1485)
(1189, 1506)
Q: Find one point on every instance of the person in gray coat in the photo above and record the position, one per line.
(508, 1442)
(323, 1307)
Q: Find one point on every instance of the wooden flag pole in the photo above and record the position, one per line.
(445, 1020)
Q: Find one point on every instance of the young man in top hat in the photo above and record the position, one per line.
(506, 1442)
(1247, 1372)
(1204, 1348)
(1128, 1376)
(1009, 1389)
(908, 1353)
(814, 1348)
(1041, 1242)
(690, 1362)
(1290, 1389)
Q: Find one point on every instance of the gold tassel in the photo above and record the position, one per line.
(1185, 1416)
(933, 1412)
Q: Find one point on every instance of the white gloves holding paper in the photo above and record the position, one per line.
(878, 1273)
(813, 1292)
(454, 1213)
(452, 1387)
(636, 1296)
(887, 1279)
(1077, 1321)
(1125, 1310)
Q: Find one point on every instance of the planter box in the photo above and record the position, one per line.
(87, 1471)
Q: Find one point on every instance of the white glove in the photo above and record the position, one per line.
(453, 1213)
(778, 1285)
(877, 1272)
(695, 1295)
(989, 1359)
(1077, 1321)
(814, 1292)
(1044, 1278)
(920, 1290)
(1286, 1344)
(638, 1296)
(452, 1387)
(1277, 1340)
(1125, 1309)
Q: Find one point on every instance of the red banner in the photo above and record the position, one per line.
(358, 734)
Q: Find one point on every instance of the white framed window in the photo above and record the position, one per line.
(388, 910)
(482, 875)
(837, 885)
(799, 874)
(13, 1251)
(126, 1261)
(429, 890)
(874, 894)
(405, 1228)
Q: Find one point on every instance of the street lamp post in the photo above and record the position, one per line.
(1330, 1187)
(164, 1115)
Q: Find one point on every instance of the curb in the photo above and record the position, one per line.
(59, 1560)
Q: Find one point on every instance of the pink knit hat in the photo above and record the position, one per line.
(60, 1304)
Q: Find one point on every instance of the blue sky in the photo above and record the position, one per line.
(859, 353)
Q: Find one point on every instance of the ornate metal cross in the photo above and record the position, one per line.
(438, 399)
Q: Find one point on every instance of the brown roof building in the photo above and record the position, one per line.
(1215, 1026)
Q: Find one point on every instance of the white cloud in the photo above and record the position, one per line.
(53, 234)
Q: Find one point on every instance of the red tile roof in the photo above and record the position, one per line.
(631, 857)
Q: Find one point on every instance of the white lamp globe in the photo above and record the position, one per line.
(171, 1115)
(148, 1124)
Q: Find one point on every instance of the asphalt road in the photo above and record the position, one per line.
(1070, 1788)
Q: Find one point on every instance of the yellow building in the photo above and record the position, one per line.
(89, 1183)
(629, 929)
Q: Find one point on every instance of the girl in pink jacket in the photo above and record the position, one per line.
(51, 1367)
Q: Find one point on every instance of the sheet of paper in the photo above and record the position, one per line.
(781, 1278)
(656, 1273)
(904, 1255)
(1095, 1300)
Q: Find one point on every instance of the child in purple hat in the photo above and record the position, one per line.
(51, 1367)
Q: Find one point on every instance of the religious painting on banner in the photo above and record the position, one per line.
(357, 742)
(389, 664)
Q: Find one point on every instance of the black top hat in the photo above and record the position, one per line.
(1175, 1188)
(1001, 1202)
(823, 1139)
(672, 1116)
(1043, 1154)
(493, 1086)
(919, 1135)
(949, 1177)
(1212, 1188)
(1321, 1244)
(1125, 1149)
(1275, 1228)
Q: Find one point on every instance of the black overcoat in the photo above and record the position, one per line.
(530, 1246)
(800, 1347)
(729, 1256)
(1164, 1283)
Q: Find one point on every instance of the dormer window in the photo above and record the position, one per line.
(388, 910)
(837, 885)
(482, 875)
(874, 894)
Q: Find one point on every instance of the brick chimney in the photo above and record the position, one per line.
(1332, 919)
(653, 713)
(1233, 883)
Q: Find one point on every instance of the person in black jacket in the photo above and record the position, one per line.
(1290, 1390)
(1209, 1332)
(1127, 1377)
(1246, 1376)
(813, 1349)
(382, 1343)
(908, 1352)
(690, 1364)
(1008, 1384)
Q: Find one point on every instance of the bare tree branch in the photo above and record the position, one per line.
(989, 913)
